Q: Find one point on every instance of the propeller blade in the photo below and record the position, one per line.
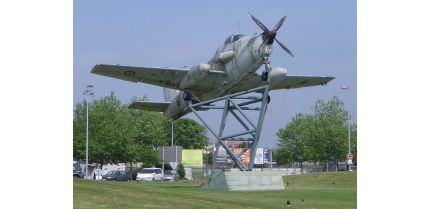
(284, 47)
(260, 24)
(281, 21)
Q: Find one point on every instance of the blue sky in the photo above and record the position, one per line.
(321, 34)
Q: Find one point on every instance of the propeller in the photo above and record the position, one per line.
(269, 36)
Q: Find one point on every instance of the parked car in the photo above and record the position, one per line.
(171, 175)
(116, 176)
(77, 171)
(150, 174)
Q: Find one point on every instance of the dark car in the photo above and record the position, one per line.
(116, 176)
(171, 175)
(77, 171)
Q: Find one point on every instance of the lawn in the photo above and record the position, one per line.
(324, 190)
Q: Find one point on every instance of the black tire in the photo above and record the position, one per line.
(268, 99)
(265, 76)
(187, 95)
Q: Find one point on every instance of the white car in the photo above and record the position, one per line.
(150, 174)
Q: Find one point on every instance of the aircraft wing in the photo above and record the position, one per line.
(287, 82)
(165, 77)
(150, 106)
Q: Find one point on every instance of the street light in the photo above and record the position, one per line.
(88, 92)
(349, 125)
(176, 148)
(172, 133)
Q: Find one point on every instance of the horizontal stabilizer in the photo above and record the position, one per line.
(150, 106)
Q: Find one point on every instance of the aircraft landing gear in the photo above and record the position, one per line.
(265, 76)
(267, 69)
(187, 95)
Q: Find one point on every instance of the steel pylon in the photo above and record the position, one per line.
(236, 104)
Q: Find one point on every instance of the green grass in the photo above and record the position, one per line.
(317, 191)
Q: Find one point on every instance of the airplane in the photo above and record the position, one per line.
(232, 69)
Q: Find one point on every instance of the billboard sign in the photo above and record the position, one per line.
(262, 155)
(245, 157)
(259, 153)
(192, 157)
(266, 155)
(170, 154)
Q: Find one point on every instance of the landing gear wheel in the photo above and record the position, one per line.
(267, 69)
(187, 95)
(265, 76)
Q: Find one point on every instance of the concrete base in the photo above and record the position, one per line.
(246, 181)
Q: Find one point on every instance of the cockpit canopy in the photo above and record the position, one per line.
(233, 38)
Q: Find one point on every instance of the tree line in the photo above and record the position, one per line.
(118, 134)
(321, 136)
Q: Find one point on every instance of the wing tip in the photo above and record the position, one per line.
(95, 69)
(329, 78)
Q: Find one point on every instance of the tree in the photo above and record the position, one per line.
(149, 133)
(79, 125)
(316, 137)
(354, 143)
(105, 130)
(119, 134)
(189, 134)
(116, 133)
(293, 141)
(207, 158)
(330, 130)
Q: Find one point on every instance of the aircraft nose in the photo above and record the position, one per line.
(261, 49)
(267, 50)
(265, 47)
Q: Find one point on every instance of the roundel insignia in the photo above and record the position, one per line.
(129, 73)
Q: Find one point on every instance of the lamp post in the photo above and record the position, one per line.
(349, 125)
(174, 165)
(88, 92)
(172, 133)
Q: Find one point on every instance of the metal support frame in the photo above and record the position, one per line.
(236, 109)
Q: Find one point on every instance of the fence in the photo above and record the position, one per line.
(204, 173)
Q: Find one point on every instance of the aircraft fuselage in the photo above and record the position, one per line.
(238, 57)
(247, 59)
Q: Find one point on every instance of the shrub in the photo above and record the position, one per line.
(181, 171)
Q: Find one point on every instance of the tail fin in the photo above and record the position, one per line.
(170, 94)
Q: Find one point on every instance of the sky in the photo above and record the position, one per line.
(321, 34)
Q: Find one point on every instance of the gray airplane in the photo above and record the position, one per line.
(232, 69)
